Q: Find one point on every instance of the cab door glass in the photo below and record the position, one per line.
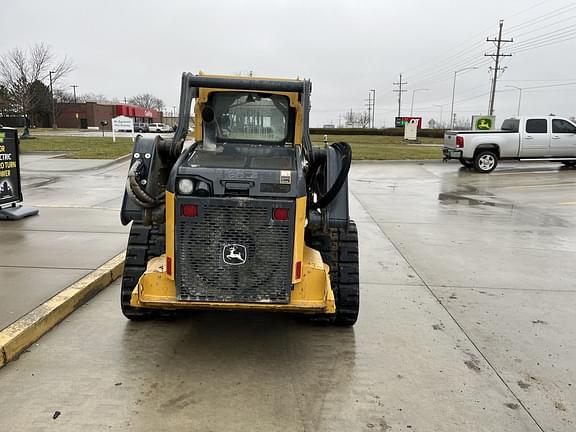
(562, 126)
(537, 126)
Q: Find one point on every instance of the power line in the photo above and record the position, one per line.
(446, 74)
(566, 31)
(550, 85)
(497, 67)
(545, 42)
(543, 45)
(425, 73)
(544, 17)
(545, 27)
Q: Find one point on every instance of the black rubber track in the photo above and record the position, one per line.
(144, 243)
(339, 249)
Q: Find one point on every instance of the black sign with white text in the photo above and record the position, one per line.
(10, 191)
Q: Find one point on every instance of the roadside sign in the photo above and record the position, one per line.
(122, 123)
(401, 121)
(10, 189)
(480, 122)
(411, 130)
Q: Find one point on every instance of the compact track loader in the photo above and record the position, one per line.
(248, 215)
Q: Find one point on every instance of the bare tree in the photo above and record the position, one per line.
(5, 105)
(357, 120)
(21, 70)
(94, 97)
(147, 100)
(364, 120)
(462, 123)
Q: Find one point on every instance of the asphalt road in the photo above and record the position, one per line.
(467, 324)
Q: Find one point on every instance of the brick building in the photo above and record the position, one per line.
(90, 114)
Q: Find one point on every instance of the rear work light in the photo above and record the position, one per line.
(280, 214)
(189, 210)
(459, 141)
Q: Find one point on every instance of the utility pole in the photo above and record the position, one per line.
(400, 91)
(373, 106)
(369, 100)
(54, 125)
(497, 67)
(74, 88)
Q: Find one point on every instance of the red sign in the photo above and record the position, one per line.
(134, 111)
(401, 121)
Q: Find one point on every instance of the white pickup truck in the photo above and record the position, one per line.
(545, 138)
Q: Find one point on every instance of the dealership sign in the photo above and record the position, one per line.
(401, 121)
(10, 191)
(480, 122)
(124, 124)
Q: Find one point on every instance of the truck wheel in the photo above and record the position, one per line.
(466, 163)
(485, 161)
(144, 243)
(339, 249)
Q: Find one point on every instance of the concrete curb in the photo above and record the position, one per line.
(15, 338)
(395, 161)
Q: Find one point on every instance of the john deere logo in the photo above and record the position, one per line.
(234, 254)
(484, 124)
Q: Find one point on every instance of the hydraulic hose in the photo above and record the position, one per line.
(346, 154)
(135, 191)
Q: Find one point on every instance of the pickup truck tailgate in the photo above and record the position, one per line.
(450, 140)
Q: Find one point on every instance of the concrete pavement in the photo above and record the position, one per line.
(467, 322)
(77, 230)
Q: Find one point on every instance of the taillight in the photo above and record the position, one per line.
(280, 214)
(298, 272)
(459, 141)
(169, 266)
(189, 210)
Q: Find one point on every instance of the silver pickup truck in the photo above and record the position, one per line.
(545, 138)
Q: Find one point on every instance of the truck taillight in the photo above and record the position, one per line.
(459, 141)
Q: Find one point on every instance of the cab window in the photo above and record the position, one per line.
(562, 126)
(537, 126)
(251, 117)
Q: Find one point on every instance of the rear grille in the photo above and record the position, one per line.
(210, 249)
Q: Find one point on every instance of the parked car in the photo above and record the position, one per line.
(545, 138)
(141, 127)
(159, 127)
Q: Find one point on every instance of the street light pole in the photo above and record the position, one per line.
(454, 93)
(54, 125)
(412, 104)
(519, 96)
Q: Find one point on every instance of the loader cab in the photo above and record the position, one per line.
(245, 145)
(247, 118)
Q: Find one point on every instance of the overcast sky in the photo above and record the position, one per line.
(122, 48)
